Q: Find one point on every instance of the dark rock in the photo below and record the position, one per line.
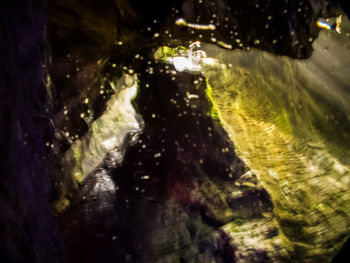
(28, 232)
(173, 207)
(169, 198)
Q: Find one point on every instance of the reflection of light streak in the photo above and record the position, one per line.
(193, 64)
(224, 45)
(110, 143)
(182, 22)
(191, 59)
(338, 23)
(324, 25)
(183, 63)
(195, 44)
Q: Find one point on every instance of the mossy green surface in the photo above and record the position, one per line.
(291, 124)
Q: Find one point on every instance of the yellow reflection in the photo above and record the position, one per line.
(330, 23)
(182, 22)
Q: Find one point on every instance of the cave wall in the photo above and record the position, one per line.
(28, 232)
(93, 43)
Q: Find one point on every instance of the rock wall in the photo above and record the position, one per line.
(28, 232)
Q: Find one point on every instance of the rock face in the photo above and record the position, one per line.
(175, 192)
(180, 193)
(275, 110)
(91, 44)
(28, 232)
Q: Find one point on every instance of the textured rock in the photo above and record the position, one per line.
(288, 119)
(93, 43)
(192, 201)
(173, 198)
(28, 232)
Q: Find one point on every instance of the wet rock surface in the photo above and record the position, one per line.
(93, 43)
(178, 193)
(28, 231)
(175, 192)
(90, 42)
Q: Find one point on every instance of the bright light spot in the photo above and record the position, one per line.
(322, 24)
(182, 63)
(338, 23)
(224, 45)
(182, 22)
(192, 96)
(109, 144)
(330, 23)
(209, 61)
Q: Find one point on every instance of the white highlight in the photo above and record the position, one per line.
(191, 59)
(182, 63)
(182, 22)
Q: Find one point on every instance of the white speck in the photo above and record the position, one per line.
(157, 155)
